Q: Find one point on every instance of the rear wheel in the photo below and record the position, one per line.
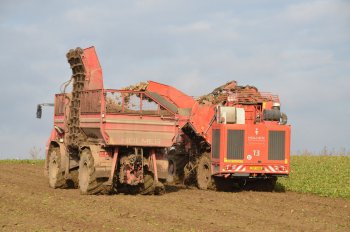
(148, 185)
(56, 178)
(88, 183)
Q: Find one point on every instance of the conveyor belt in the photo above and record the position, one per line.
(75, 135)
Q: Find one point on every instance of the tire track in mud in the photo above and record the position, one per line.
(27, 203)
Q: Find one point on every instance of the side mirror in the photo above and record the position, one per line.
(39, 111)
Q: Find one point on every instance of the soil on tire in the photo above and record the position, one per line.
(88, 183)
(55, 174)
(203, 172)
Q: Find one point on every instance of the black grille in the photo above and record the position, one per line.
(277, 145)
(235, 144)
(216, 144)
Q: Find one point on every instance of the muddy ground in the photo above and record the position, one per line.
(28, 204)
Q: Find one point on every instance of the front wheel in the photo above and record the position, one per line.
(148, 184)
(56, 178)
(203, 172)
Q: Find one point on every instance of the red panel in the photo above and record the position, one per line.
(201, 117)
(94, 78)
(175, 96)
(123, 129)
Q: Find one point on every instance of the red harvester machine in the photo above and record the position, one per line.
(135, 139)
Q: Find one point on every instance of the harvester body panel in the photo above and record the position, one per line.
(258, 149)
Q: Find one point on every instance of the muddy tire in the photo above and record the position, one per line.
(203, 172)
(159, 189)
(56, 177)
(177, 163)
(148, 186)
(87, 175)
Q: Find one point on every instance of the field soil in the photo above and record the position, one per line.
(28, 204)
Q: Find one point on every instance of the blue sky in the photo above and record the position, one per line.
(297, 49)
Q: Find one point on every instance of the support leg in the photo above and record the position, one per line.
(114, 164)
(154, 161)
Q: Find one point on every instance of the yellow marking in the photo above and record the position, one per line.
(285, 161)
(256, 168)
(232, 161)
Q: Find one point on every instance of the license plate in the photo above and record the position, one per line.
(256, 168)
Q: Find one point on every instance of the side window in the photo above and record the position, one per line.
(132, 103)
(114, 102)
(149, 106)
(125, 102)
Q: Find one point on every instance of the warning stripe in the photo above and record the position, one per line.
(269, 169)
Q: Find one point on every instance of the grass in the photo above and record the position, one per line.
(24, 161)
(322, 175)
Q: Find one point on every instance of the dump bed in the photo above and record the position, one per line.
(129, 118)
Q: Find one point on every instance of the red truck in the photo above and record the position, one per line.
(135, 139)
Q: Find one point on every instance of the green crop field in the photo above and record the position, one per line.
(24, 161)
(322, 175)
